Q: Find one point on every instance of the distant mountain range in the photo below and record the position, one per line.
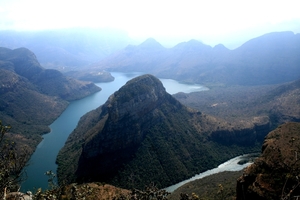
(67, 49)
(32, 97)
(85, 54)
(269, 59)
(143, 135)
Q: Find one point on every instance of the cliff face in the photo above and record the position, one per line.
(132, 114)
(274, 175)
(50, 82)
(129, 113)
(252, 131)
(32, 97)
(143, 135)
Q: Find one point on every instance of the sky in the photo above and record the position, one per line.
(210, 21)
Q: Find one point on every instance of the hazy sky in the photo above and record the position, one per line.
(212, 21)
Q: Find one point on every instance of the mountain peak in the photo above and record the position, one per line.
(147, 80)
(151, 43)
(49, 81)
(142, 130)
(138, 110)
(139, 95)
(272, 40)
(220, 47)
(193, 45)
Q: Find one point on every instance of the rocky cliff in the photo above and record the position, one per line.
(142, 135)
(50, 82)
(32, 97)
(275, 174)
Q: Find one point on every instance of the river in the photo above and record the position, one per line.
(43, 159)
(230, 165)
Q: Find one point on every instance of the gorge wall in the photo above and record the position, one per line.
(274, 175)
(142, 135)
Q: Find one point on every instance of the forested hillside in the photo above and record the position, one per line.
(32, 97)
(142, 135)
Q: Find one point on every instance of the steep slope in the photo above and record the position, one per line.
(283, 103)
(133, 58)
(216, 186)
(152, 57)
(22, 103)
(274, 175)
(32, 97)
(143, 135)
(47, 81)
(268, 59)
(68, 50)
(185, 59)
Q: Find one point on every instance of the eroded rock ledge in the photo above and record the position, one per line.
(274, 175)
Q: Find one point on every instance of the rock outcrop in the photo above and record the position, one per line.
(143, 135)
(252, 131)
(275, 174)
(32, 97)
(50, 82)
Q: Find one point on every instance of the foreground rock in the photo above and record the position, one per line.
(275, 174)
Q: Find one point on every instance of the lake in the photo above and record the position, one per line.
(43, 159)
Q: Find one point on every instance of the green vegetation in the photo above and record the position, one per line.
(233, 103)
(241, 105)
(172, 152)
(12, 160)
(95, 77)
(32, 97)
(134, 140)
(146, 136)
(220, 186)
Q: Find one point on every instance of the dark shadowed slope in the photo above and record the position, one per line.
(32, 97)
(50, 82)
(142, 135)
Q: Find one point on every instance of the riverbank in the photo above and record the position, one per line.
(233, 164)
(44, 158)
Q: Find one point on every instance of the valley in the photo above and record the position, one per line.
(141, 134)
(32, 96)
(60, 129)
(189, 130)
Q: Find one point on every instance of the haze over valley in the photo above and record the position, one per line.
(240, 79)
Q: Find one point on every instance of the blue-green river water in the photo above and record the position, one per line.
(44, 157)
